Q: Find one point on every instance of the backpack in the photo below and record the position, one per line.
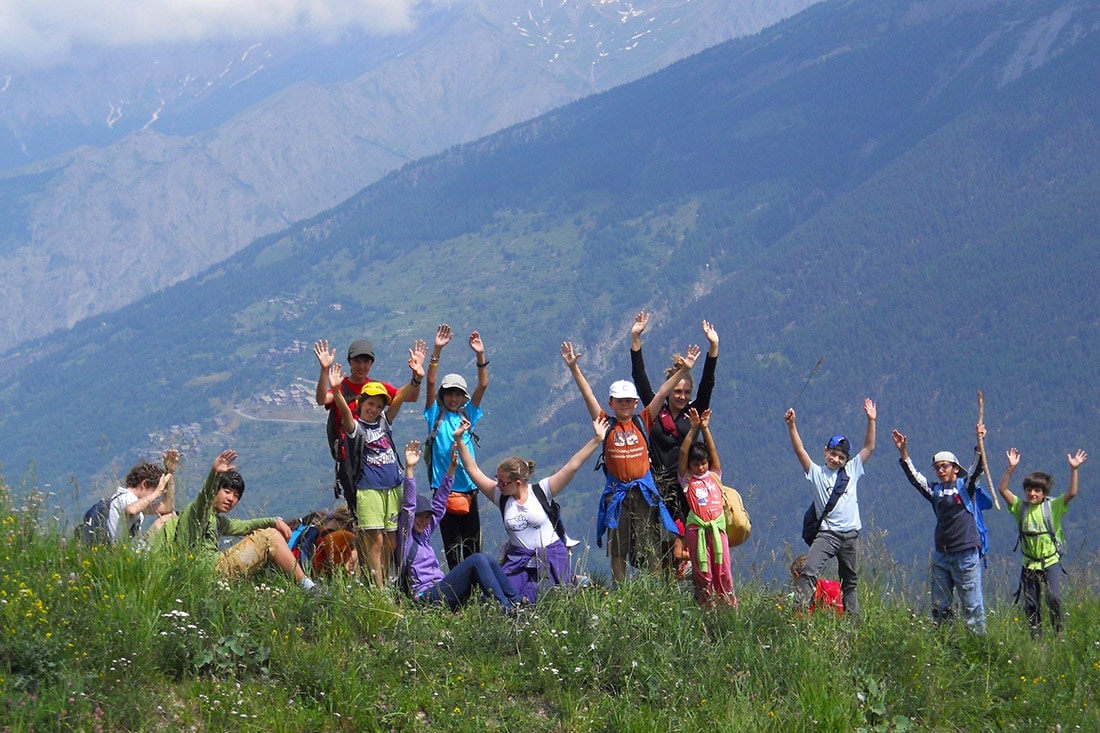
(334, 429)
(984, 502)
(93, 529)
(637, 420)
(303, 543)
(350, 451)
(1048, 529)
(738, 525)
(549, 505)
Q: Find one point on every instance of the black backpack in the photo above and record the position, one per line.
(549, 505)
(349, 453)
(333, 427)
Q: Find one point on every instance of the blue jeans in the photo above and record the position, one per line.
(844, 546)
(962, 572)
(478, 569)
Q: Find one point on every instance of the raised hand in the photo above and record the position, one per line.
(869, 409)
(224, 461)
(692, 355)
(325, 356)
(461, 429)
(412, 453)
(711, 333)
(476, 344)
(569, 354)
(601, 425)
(335, 376)
(1013, 456)
(1076, 459)
(172, 458)
(789, 416)
(442, 335)
(900, 441)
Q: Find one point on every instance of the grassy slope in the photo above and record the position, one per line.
(109, 640)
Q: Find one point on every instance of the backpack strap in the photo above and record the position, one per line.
(636, 418)
(549, 505)
(1048, 529)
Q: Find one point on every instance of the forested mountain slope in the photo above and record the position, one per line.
(907, 189)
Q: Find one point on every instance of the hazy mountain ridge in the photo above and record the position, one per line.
(930, 238)
(287, 135)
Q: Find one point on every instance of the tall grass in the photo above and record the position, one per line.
(107, 639)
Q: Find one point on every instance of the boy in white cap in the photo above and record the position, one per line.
(960, 539)
(630, 506)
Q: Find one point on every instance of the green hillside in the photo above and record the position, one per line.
(908, 191)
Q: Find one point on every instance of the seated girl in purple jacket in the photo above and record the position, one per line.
(416, 560)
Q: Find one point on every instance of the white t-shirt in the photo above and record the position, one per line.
(527, 524)
(121, 527)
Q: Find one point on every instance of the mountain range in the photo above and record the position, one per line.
(888, 199)
(132, 169)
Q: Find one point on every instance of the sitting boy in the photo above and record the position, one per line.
(148, 486)
(199, 527)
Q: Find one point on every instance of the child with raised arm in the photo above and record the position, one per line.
(377, 498)
(630, 508)
(199, 527)
(537, 557)
(147, 487)
(444, 410)
(700, 474)
(671, 425)
(420, 516)
(1039, 521)
(834, 515)
(960, 538)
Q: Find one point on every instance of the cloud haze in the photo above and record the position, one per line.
(35, 32)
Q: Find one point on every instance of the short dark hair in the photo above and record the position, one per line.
(1038, 480)
(233, 481)
(142, 472)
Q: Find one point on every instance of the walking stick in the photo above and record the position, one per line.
(981, 451)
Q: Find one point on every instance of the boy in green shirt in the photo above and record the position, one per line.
(201, 524)
(1039, 519)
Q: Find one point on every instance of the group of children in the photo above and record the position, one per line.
(661, 505)
(832, 523)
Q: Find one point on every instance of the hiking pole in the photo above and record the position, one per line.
(812, 373)
(981, 452)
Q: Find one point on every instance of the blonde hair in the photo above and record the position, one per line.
(515, 468)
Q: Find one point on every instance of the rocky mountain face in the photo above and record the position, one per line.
(142, 168)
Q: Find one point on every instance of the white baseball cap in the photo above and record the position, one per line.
(623, 389)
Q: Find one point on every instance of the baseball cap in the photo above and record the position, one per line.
(375, 389)
(840, 443)
(623, 389)
(946, 456)
(361, 347)
(423, 504)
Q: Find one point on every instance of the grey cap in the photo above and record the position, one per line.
(454, 381)
(361, 347)
(423, 504)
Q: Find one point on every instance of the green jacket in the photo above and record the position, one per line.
(199, 529)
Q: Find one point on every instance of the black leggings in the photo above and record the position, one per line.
(461, 534)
